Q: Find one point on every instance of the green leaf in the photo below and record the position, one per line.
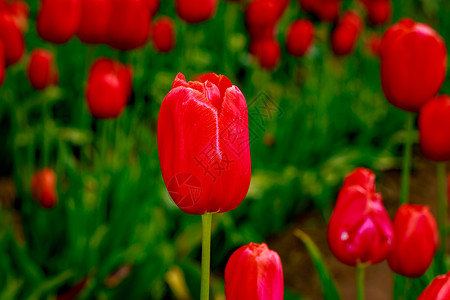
(330, 291)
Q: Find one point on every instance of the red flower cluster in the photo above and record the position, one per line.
(261, 18)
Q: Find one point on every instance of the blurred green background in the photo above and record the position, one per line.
(115, 232)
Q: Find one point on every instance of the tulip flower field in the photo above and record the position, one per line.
(224, 149)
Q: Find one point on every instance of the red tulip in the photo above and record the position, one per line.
(414, 228)
(345, 35)
(324, 10)
(196, 11)
(438, 289)
(360, 230)
(108, 89)
(379, 12)
(267, 52)
(2, 64)
(413, 64)
(20, 12)
(299, 37)
(373, 44)
(58, 20)
(203, 144)
(41, 71)
(434, 128)
(43, 188)
(153, 6)
(129, 24)
(164, 35)
(254, 272)
(94, 22)
(12, 38)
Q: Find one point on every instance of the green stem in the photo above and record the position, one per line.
(407, 157)
(442, 204)
(45, 133)
(360, 281)
(206, 255)
(399, 287)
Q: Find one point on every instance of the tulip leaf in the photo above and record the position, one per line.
(329, 289)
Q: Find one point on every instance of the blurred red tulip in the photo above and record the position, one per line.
(94, 22)
(345, 35)
(254, 272)
(414, 228)
(43, 188)
(413, 64)
(153, 5)
(299, 37)
(129, 24)
(267, 52)
(203, 144)
(2, 64)
(58, 20)
(164, 35)
(12, 38)
(108, 89)
(360, 230)
(324, 10)
(379, 12)
(41, 71)
(19, 10)
(261, 18)
(373, 44)
(434, 128)
(438, 289)
(196, 11)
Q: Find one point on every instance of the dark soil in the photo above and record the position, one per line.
(299, 272)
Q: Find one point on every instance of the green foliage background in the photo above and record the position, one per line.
(328, 115)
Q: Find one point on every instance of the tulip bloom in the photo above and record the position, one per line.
(94, 22)
(58, 20)
(345, 36)
(12, 38)
(254, 272)
(413, 64)
(434, 128)
(164, 35)
(373, 44)
(108, 89)
(195, 11)
(324, 10)
(379, 12)
(43, 188)
(360, 230)
(20, 12)
(129, 24)
(41, 71)
(267, 52)
(414, 228)
(438, 289)
(299, 37)
(203, 144)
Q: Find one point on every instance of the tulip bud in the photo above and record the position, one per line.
(108, 89)
(414, 228)
(299, 37)
(379, 12)
(254, 272)
(267, 52)
(58, 20)
(196, 11)
(164, 35)
(413, 64)
(43, 188)
(360, 230)
(203, 144)
(434, 128)
(438, 289)
(94, 22)
(12, 38)
(345, 35)
(133, 29)
(41, 71)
